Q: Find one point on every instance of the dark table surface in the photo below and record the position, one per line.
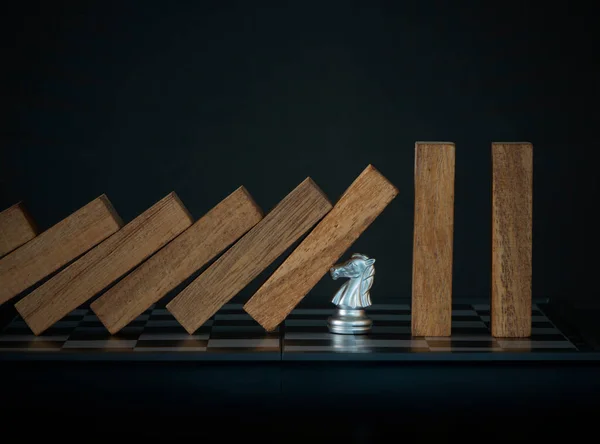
(287, 400)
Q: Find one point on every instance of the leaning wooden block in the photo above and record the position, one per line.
(298, 212)
(512, 201)
(178, 260)
(358, 207)
(104, 264)
(433, 235)
(57, 246)
(16, 228)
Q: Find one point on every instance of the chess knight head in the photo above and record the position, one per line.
(354, 293)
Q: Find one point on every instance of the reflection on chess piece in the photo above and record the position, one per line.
(353, 296)
(346, 343)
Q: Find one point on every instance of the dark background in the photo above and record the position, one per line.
(137, 99)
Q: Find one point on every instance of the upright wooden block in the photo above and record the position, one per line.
(433, 237)
(57, 246)
(297, 213)
(512, 206)
(358, 207)
(178, 260)
(104, 264)
(16, 228)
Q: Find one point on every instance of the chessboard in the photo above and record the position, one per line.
(231, 334)
(306, 337)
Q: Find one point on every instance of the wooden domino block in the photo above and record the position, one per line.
(431, 313)
(57, 246)
(178, 260)
(512, 200)
(358, 207)
(297, 213)
(104, 264)
(16, 228)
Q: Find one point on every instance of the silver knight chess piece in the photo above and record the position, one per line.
(353, 296)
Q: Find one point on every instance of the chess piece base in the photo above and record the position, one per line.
(348, 321)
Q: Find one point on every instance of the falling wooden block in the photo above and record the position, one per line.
(512, 199)
(431, 313)
(178, 260)
(358, 207)
(104, 264)
(16, 228)
(297, 213)
(57, 246)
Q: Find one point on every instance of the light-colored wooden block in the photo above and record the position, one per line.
(297, 213)
(178, 260)
(512, 207)
(104, 264)
(433, 239)
(57, 246)
(16, 228)
(358, 207)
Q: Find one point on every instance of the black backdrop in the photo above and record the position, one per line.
(137, 99)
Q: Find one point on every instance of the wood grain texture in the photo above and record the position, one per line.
(104, 264)
(512, 206)
(358, 207)
(57, 246)
(297, 213)
(178, 260)
(16, 228)
(433, 239)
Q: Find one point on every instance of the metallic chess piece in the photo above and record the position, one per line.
(353, 296)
